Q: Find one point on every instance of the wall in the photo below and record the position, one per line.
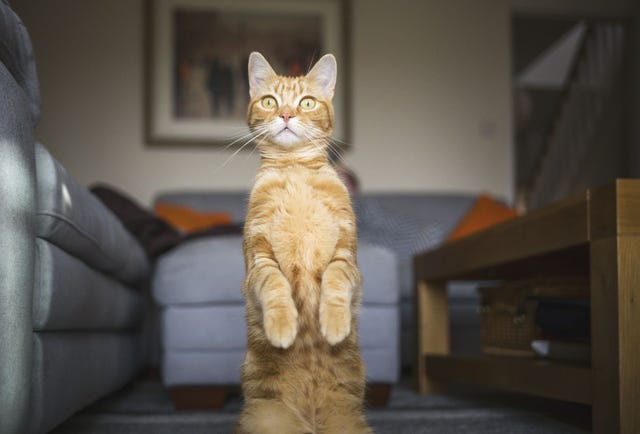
(432, 95)
(431, 98)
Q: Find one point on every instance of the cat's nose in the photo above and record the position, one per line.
(286, 116)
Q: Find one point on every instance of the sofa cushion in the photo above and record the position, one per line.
(207, 270)
(69, 295)
(197, 368)
(382, 365)
(223, 328)
(379, 270)
(379, 327)
(196, 338)
(219, 328)
(423, 209)
(408, 223)
(69, 216)
(211, 270)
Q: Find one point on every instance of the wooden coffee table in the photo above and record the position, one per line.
(596, 233)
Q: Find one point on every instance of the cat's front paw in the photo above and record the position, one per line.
(281, 324)
(335, 322)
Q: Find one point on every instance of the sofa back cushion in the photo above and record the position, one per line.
(402, 222)
(72, 218)
(446, 209)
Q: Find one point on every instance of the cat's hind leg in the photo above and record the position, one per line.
(262, 416)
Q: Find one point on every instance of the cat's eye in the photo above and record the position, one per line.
(307, 103)
(269, 102)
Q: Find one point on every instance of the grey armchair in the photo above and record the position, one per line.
(69, 313)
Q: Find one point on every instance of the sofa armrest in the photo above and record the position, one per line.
(19, 113)
(17, 229)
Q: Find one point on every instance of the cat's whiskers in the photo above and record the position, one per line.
(330, 138)
(337, 154)
(243, 135)
(252, 151)
(339, 142)
(255, 135)
(319, 143)
(318, 134)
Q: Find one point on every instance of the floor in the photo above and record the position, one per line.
(144, 407)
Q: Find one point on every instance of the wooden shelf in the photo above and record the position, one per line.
(563, 381)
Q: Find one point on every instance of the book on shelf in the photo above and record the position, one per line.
(579, 352)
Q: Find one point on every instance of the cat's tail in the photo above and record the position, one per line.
(270, 416)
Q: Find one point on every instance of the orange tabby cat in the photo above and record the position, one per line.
(302, 371)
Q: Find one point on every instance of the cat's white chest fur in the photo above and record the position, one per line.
(302, 230)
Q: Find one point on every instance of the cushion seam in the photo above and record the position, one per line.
(41, 285)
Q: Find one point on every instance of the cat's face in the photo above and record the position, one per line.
(291, 111)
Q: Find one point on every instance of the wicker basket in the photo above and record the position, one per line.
(507, 313)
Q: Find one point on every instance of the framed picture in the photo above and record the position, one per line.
(197, 84)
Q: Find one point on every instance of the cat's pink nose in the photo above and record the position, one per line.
(286, 116)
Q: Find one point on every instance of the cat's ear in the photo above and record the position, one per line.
(324, 73)
(259, 72)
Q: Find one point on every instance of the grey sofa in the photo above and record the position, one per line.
(69, 310)
(198, 287)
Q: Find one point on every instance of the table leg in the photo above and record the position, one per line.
(615, 334)
(432, 320)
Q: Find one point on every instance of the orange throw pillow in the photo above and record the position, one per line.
(485, 212)
(188, 219)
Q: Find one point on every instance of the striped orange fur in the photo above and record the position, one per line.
(302, 372)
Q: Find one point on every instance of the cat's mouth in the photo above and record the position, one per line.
(287, 130)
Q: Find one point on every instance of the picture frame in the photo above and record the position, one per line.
(196, 65)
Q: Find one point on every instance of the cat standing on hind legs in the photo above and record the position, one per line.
(302, 372)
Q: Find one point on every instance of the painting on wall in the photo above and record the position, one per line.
(197, 83)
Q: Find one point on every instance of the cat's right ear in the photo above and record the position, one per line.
(259, 72)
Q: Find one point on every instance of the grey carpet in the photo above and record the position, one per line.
(145, 408)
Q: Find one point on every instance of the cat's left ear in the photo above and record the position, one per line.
(324, 73)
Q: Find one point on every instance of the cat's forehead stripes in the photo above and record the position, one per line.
(288, 89)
